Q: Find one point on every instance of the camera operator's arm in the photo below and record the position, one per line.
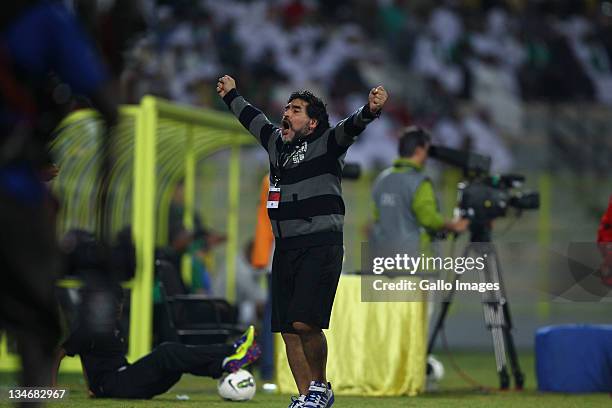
(426, 211)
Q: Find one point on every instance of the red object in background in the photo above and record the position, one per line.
(295, 13)
(604, 239)
(605, 228)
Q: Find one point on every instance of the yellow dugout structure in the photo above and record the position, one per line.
(156, 145)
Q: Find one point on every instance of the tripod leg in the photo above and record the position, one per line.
(519, 378)
(494, 322)
(494, 317)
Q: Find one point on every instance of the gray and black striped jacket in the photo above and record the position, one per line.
(311, 210)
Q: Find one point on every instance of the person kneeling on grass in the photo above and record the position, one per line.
(109, 375)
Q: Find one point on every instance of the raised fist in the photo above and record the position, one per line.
(377, 98)
(225, 84)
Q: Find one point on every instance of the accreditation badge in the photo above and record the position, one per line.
(273, 197)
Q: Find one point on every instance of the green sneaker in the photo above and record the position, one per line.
(247, 351)
(248, 334)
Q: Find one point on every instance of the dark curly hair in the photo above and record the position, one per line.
(315, 109)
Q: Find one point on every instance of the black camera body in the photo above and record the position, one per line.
(489, 198)
(483, 197)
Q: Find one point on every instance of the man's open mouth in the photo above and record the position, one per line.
(286, 126)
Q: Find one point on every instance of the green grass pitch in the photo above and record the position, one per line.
(454, 392)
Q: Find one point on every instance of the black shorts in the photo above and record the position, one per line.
(304, 283)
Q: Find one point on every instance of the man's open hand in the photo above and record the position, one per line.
(377, 98)
(226, 83)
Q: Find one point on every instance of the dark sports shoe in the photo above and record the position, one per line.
(319, 395)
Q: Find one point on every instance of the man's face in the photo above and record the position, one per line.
(295, 122)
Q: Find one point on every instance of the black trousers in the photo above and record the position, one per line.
(29, 267)
(158, 371)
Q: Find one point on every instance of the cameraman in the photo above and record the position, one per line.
(406, 209)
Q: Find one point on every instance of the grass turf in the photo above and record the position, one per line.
(453, 392)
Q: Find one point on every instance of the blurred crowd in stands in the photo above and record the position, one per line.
(495, 54)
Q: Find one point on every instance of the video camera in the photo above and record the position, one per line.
(483, 197)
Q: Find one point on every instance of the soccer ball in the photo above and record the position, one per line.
(435, 369)
(238, 386)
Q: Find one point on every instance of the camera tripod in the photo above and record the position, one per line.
(495, 307)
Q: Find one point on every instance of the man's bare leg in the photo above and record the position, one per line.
(297, 362)
(314, 345)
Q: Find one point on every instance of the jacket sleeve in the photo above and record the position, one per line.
(347, 130)
(251, 118)
(425, 208)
